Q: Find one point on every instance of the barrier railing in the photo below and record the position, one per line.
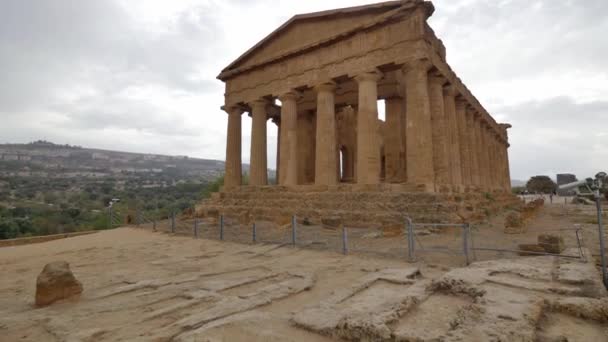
(412, 241)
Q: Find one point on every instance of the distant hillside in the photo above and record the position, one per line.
(45, 159)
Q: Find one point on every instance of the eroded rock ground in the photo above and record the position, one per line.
(144, 286)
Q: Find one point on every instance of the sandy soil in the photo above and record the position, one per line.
(140, 285)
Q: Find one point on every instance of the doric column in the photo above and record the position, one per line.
(488, 142)
(439, 108)
(259, 163)
(306, 147)
(368, 147)
(289, 139)
(277, 121)
(233, 175)
(473, 157)
(479, 162)
(507, 168)
(464, 142)
(454, 158)
(393, 141)
(419, 142)
(497, 175)
(325, 155)
(483, 150)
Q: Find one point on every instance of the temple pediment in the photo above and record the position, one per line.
(306, 31)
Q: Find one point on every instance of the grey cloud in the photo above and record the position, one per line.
(522, 38)
(68, 67)
(50, 45)
(558, 135)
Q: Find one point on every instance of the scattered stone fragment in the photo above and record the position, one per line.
(56, 282)
(331, 222)
(530, 247)
(551, 243)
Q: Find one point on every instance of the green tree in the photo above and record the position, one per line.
(541, 184)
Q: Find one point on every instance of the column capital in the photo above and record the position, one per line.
(234, 110)
(326, 86)
(437, 78)
(450, 90)
(505, 126)
(417, 64)
(461, 104)
(259, 103)
(292, 95)
(372, 75)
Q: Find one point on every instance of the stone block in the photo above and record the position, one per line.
(513, 220)
(56, 282)
(331, 222)
(551, 243)
(523, 248)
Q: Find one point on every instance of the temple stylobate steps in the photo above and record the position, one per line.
(371, 207)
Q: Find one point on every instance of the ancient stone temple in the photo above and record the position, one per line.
(320, 78)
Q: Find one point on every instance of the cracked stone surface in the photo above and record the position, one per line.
(144, 286)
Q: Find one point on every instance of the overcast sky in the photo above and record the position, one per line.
(139, 75)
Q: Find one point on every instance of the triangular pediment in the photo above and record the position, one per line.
(306, 30)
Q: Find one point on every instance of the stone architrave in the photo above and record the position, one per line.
(233, 175)
(325, 155)
(439, 129)
(289, 139)
(419, 142)
(368, 147)
(463, 144)
(454, 143)
(259, 162)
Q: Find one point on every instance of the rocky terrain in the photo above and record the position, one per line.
(141, 285)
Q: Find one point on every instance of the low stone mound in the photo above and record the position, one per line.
(56, 282)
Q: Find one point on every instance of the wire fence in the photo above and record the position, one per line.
(445, 243)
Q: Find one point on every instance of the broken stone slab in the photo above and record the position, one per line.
(586, 308)
(56, 282)
(551, 243)
(530, 247)
(365, 310)
(331, 222)
(185, 328)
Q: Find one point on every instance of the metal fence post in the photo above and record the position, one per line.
(600, 228)
(344, 240)
(154, 224)
(222, 227)
(465, 243)
(196, 228)
(410, 239)
(254, 238)
(293, 230)
(172, 222)
(110, 217)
